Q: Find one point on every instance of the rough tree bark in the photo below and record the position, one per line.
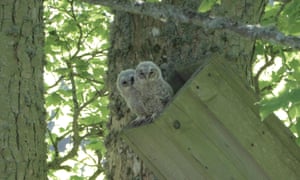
(175, 46)
(22, 115)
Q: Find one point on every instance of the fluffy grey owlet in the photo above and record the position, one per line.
(125, 85)
(156, 92)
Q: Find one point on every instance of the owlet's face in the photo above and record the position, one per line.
(147, 71)
(126, 78)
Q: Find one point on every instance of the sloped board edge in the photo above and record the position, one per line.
(211, 130)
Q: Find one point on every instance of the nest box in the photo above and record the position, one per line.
(212, 130)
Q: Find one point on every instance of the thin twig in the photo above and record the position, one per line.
(56, 83)
(96, 95)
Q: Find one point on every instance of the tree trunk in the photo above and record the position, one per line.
(174, 46)
(22, 115)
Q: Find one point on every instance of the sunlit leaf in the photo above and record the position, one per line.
(294, 111)
(77, 178)
(95, 145)
(54, 99)
(153, 1)
(206, 5)
(90, 120)
(271, 12)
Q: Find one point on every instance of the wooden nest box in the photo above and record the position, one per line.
(212, 130)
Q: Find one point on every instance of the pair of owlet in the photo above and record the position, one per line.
(144, 90)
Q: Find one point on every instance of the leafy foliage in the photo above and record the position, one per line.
(277, 69)
(76, 97)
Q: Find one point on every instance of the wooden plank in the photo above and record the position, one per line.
(212, 130)
(233, 105)
(161, 155)
(209, 142)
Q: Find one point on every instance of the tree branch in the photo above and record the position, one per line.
(80, 38)
(166, 12)
(56, 83)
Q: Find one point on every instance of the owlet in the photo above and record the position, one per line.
(156, 92)
(132, 96)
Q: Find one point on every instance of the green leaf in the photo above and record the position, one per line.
(269, 105)
(295, 63)
(62, 71)
(54, 99)
(77, 178)
(207, 5)
(90, 120)
(82, 65)
(294, 96)
(263, 84)
(95, 144)
(259, 47)
(294, 111)
(153, 1)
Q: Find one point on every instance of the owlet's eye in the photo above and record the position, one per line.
(151, 72)
(141, 74)
(124, 82)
